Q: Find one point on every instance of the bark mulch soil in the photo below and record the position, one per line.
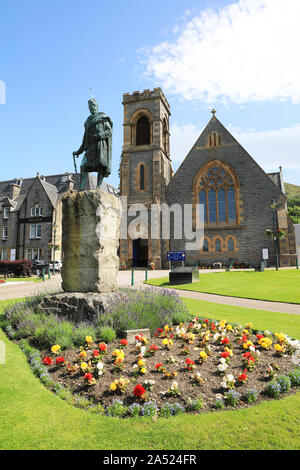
(210, 386)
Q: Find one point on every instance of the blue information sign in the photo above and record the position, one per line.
(176, 256)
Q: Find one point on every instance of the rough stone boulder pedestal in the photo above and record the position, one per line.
(90, 240)
(81, 307)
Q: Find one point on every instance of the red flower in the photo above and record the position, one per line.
(88, 376)
(160, 330)
(102, 347)
(153, 347)
(189, 361)
(225, 341)
(243, 376)
(158, 365)
(259, 336)
(47, 360)
(96, 353)
(124, 342)
(60, 360)
(247, 354)
(205, 321)
(139, 391)
(244, 338)
(225, 354)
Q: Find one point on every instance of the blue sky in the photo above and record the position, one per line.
(236, 56)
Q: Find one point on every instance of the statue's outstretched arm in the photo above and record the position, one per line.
(81, 148)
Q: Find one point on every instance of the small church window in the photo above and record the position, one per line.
(218, 246)
(143, 131)
(230, 244)
(142, 177)
(205, 245)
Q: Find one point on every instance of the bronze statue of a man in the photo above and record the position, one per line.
(97, 145)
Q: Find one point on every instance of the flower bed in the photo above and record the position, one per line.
(201, 366)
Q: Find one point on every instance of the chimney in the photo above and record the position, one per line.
(15, 188)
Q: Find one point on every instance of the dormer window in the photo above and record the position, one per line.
(36, 211)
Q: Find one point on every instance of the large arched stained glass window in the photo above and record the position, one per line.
(216, 189)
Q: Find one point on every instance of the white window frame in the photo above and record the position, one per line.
(4, 254)
(32, 230)
(6, 211)
(38, 230)
(5, 232)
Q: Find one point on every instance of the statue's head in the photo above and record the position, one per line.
(93, 105)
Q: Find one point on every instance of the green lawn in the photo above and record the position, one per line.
(21, 279)
(279, 286)
(31, 417)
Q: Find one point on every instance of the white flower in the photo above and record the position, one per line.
(230, 378)
(224, 384)
(135, 366)
(222, 367)
(222, 360)
(100, 366)
(215, 337)
(174, 385)
(143, 349)
(252, 348)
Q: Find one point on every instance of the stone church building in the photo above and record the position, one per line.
(217, 173)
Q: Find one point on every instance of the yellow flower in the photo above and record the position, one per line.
(203, 355)
(113, 387)
(165, 341)
(265, 342)
(118, 353)
(278, 348)
(141, 363)
(280, 337)
(249, 325)
(84, 366)
(247, 344)
(229, 327)
(55, 348)
(143, 370)
(166, 327)
(82, 354)
(88, 339)
(246, 332)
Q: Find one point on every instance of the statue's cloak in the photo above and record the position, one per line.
(97, 143)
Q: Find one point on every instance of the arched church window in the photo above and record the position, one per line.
(216, 189)
(142, 177)
(218, 246)
(230, 244)
(205, 245)
(143, 131)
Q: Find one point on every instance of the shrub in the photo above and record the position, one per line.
(107, 335)
(294, 376)
(80, 332)
(284, 382)
(19, 268)
(273, 389)
(219, 404)
(54, 331)
(145, 309)
(232, 397)
(170, 409)
(117, 408)
(251, 395)
(149, 409)
(195, 405)
(134, 410)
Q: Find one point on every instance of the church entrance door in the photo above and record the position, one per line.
(140, 253)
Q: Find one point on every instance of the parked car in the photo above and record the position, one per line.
(57, 266)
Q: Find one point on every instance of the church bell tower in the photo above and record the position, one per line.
(145, 170)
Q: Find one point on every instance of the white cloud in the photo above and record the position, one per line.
(247, 51)
(270, 149)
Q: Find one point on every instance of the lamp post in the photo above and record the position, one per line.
(273, 206)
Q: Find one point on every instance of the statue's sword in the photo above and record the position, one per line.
(77, 178)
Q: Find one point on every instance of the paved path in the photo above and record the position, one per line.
(29, 288)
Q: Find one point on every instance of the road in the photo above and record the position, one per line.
(29, 288)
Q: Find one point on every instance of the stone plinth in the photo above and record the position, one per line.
(80, 307)
(183, 275)
(90, 240)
